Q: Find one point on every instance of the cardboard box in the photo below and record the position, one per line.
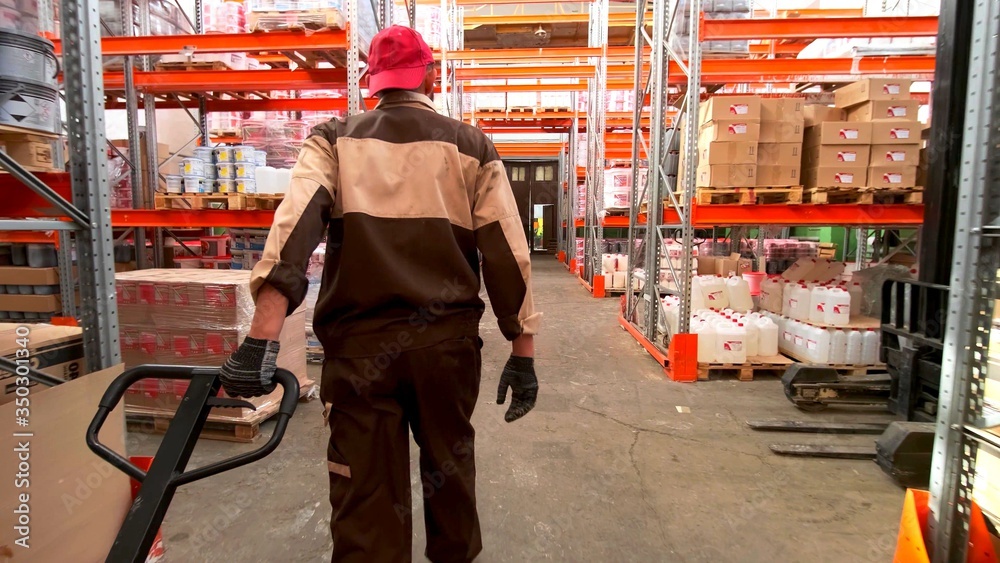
(839, 133)
(77, 500)
(780, 132)
(728, 153)
(779, 154)
(815, 114)
(729, 131)
(872, 89)
(55, 350)
(835, 155)
(884, 109)
(892, 176)
(896, 155)
(31, 303)
(727, 176)
(706, 265)
(779, 176)
(790, 110)
(835, 176)
(33, 151)
(896, 132)
(20, 275)
(729, 107)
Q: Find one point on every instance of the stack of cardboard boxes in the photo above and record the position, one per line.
(727, 142)
(194, 317)
(871, 139)
(895, 137)
(779, 151)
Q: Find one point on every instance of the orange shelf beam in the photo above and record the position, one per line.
(283, 104)
(822, 27)
(706, 216)
(192, 219)
(512, 150)
(541, 54)
(324, 40)
(164, 82)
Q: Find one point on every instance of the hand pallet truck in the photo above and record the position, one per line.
(912, 326)
(168, 468)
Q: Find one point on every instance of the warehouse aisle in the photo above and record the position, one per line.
(614, 464)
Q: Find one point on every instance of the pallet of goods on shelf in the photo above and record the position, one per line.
(196, 317)
(225, 177)
(35, 151)
(29, 282)
(165, 18)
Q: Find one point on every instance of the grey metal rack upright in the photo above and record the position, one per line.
(961, 429)
(658, 184)
(596, 121)
(90, 212)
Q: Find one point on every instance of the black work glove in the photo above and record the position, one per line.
(519, 373)
(249, 372)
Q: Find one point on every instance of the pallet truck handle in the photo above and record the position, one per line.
(113, 395)
(289, 400)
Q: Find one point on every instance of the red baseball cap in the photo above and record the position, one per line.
(397, 59)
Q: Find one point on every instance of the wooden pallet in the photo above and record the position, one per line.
(225, 133)
(148, 421)
(302, 19)
(555, 109)
(521, 109)
(200, 201)
(821, 196)
(264, 202)
(790, 195)
(898, 196)
(842, 369)
(759, 365)
(192, 65)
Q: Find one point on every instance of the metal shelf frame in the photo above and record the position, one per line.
(596, 107)
(959, 430)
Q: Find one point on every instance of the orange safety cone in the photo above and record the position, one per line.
(911, 544)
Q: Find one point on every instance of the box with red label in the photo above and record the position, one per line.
(892, 176)
(729, 107)
(729, 131)
(896, 132)
(835, 176)
(180, 298)
(897, 155)
(884, 109)
(839, 133)
(835, 155)
(871, 89)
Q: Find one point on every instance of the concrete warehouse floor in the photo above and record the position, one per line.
(616, 463)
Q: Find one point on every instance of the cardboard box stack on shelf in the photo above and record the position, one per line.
(895, 138)
(779, 148)
(195, 317)
(727, 142)
(29, 282)
(835, 151)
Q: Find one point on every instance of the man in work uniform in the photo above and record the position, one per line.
(408, 200)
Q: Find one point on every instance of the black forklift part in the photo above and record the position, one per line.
(168, 469)
(815, 387)
(818, 427)
(913, 325)
(904, 453)
(824, 450)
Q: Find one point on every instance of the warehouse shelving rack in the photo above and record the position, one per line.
(593, 229)
(963, 426)
(680, 215)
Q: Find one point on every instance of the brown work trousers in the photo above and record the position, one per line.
(372, 402)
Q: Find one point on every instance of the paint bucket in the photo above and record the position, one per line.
(175, 184)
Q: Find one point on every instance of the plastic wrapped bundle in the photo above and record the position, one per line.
(194, 317)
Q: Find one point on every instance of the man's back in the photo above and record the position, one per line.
(414, 195)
